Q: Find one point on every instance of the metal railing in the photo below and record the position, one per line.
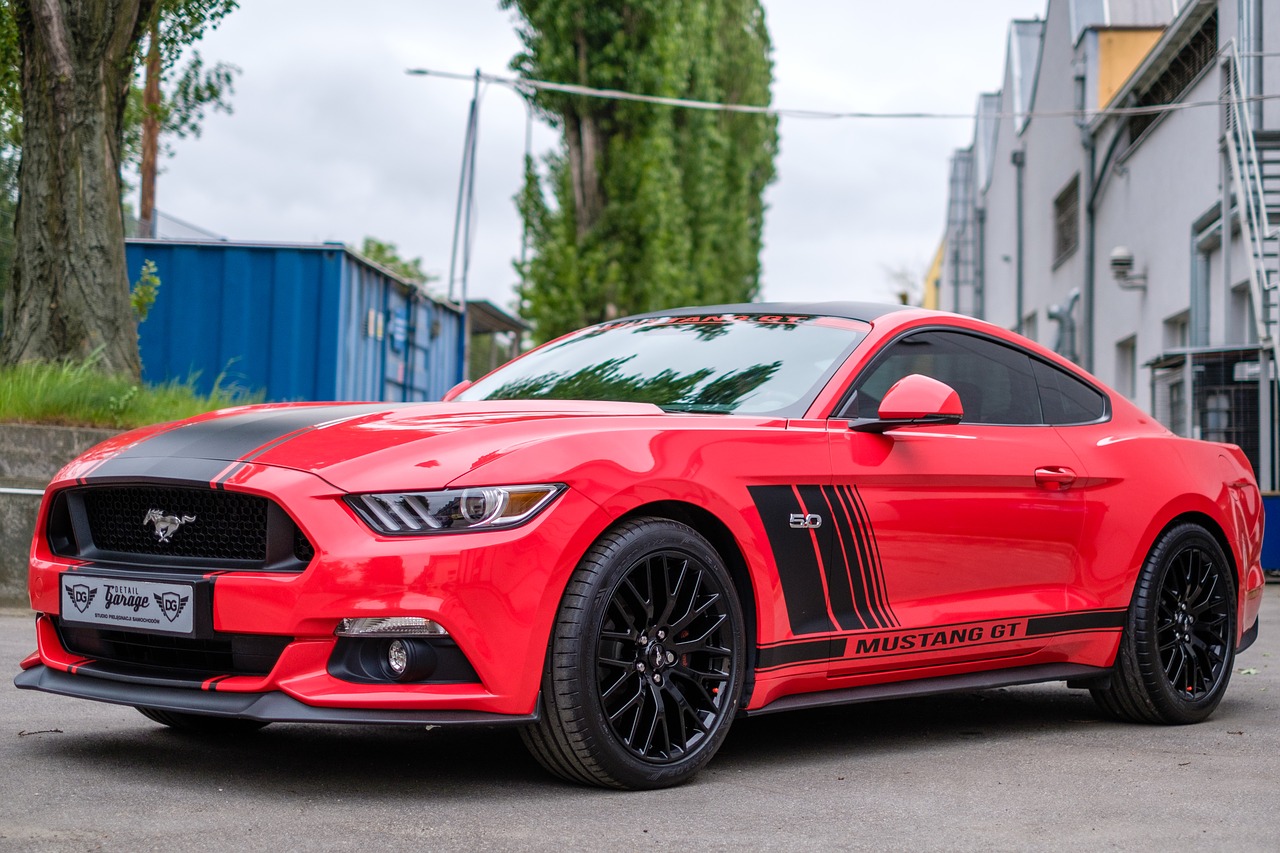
(1262, 243)
(1255, 226)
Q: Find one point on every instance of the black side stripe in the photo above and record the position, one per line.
(1091, 620)
(796, 554)
(811, 651)
(854, 553)
(872, 644)
(831, 575)
(869, 550)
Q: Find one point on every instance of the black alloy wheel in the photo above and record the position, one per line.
(1192, 617)
(645, 669)
(1178, 647)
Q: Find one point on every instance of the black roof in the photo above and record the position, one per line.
(864, 311)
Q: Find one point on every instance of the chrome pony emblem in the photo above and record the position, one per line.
(165, 525)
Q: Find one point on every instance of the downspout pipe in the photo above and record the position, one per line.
(1089, 291)
(1019, 160)
(1090, 252)
(1093, 188)
(980, 266)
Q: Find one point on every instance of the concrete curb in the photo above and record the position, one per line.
(30, 456)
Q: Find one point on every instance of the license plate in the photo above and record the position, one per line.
(128, 604)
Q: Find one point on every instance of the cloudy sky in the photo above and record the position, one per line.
(332, 140)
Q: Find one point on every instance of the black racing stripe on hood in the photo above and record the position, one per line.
(236, 436)
(178, 469)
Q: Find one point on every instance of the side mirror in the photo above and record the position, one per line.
(914, 400)
(456, 390)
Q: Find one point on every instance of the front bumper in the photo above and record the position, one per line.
(269, 707)
(496, 594)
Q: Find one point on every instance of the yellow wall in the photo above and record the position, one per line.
(1120, 51)
(933, 279)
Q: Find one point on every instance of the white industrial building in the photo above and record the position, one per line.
(1088, 211)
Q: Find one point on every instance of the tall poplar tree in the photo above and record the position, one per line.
(644, 206)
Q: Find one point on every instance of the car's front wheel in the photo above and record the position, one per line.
(1179, 641)
(646, 661)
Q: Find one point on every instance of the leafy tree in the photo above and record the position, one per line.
(387, 255)
(645, 206)
(179, 111)
(71, 106)
(10, 138)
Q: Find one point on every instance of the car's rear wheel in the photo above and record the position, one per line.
(1179, 641)
(646, 661)
(200, 723)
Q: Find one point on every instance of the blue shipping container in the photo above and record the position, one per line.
(300, 322)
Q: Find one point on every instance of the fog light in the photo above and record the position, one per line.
(397, 657)
(410, 660)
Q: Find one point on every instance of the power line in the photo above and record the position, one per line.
(523, 86)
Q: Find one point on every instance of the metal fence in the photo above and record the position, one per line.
(1219, 394)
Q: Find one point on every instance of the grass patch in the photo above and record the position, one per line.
(76, 394)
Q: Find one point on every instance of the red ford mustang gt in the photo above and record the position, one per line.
(630, 536)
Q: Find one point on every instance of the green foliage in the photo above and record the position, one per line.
(10, 81)
(76, 394)
(184, 22)
(644, 207)
(184, 101)
(10, 140)
(143, 293)
(387, 255)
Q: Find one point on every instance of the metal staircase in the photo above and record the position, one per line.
(1254, 160)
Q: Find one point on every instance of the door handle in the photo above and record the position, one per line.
(1055, 477)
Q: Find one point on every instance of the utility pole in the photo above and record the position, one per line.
(150, 133)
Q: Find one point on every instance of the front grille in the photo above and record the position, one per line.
(176, 527)
(213, 525)
(302, 547)
(226, 654)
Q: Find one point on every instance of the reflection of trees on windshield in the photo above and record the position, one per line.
(725, 393)
(704, 331)
(668, 388)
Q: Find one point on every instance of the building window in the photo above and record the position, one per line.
(1066, 221)
(1030, 327)
(1177, 331)
(1183, 70)
(1242, 328)
(1127, 366)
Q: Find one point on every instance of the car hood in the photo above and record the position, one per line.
(356, 447)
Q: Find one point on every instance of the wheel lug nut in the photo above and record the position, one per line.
(671, 658)
(662, 635)
(644, 640)
(639, 666)
(657, 679)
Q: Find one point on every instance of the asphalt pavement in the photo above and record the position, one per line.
(1025, 768)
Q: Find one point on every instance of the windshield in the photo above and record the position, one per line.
(719, 363)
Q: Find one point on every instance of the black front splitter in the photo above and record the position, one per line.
(269, 707)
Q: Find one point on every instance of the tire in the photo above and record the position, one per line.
(1178, 647)
(200, 723)
(646, 661)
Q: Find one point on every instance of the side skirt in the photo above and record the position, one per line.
(933, 686)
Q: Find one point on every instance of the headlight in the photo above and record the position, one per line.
(453, 510)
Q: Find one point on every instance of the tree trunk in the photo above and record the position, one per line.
(69, 296)
(150, 134)
(582, 138)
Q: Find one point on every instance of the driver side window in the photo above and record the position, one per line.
(996, 384)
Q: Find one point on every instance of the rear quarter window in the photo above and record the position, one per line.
(1066, 399)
